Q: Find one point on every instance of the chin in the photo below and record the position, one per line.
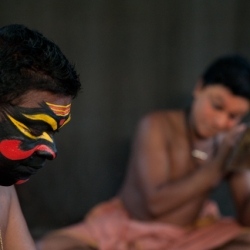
(202, 134)
(206, 133)
(209, 135)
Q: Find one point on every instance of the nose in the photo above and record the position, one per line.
(46, 154)
(221, 121)
(47, 151)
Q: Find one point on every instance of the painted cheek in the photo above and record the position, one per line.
(11, 150)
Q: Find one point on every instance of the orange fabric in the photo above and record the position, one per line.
(108, 227)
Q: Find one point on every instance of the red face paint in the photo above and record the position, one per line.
(11, 150)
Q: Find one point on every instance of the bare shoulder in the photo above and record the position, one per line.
(166, 121)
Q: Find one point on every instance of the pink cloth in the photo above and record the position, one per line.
(109, 227)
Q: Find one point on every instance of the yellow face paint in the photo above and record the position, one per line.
(59, 110)
(57, 119)
(26, 131)
(45, 118)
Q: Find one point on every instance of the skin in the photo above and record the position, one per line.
(14, 230)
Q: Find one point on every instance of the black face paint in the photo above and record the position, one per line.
(26, 141)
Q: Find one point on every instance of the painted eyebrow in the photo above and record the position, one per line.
(25, 130)
(45, 118)
(59, 110)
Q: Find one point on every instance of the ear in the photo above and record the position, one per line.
(198, 87)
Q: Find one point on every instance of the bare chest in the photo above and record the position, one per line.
(180, 160)
(184, 158)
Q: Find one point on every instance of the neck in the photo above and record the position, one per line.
(201, 148)
(192, 129)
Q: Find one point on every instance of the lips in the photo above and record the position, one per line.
(26, 169)
(21, 181)
(24, 173)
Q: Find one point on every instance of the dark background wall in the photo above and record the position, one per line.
(134, 57)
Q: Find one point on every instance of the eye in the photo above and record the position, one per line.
(32, 131)
(38, 130)
(24, 128)
(235, 116)
(35, 132)
(217, 106)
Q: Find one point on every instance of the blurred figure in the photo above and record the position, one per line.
(37, 85)
(178, 158)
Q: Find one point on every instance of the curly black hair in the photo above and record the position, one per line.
(231, 71)
(30, 61)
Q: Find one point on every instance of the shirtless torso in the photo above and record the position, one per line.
(172, 144)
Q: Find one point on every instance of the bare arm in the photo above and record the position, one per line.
(17, 234)
(151, 159)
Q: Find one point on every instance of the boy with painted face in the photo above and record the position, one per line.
(178, 157)
(37, 85)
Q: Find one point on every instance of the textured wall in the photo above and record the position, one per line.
(133, 56)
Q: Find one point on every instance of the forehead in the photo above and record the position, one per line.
(225, 97)
(33, 98)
